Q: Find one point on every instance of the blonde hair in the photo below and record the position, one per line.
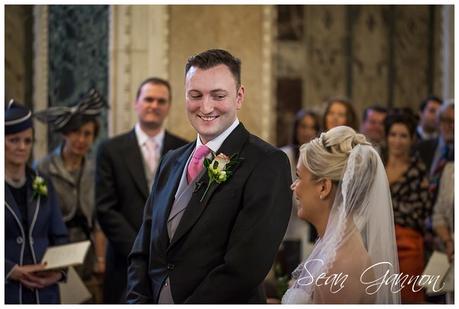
(326, 156)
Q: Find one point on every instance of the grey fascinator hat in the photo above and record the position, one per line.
(68, 118)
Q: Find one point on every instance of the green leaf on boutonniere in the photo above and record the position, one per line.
(219, 169)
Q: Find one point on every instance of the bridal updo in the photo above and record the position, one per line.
(327, 155)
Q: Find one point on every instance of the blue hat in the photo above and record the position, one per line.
(17, 118)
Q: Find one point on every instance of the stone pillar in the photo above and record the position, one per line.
(40, 77)
(448, 51)
(138, 50)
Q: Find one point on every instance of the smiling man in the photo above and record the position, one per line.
(126, 165)
(211, 231)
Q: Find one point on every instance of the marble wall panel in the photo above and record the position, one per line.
(78, 57)
(326, 57)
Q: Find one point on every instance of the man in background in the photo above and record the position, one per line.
(427, 127)
(373, 125)
(126, 167)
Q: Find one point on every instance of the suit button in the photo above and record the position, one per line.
(31, 241)
(170, 266)
(19, 240)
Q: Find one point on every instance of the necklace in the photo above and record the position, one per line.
(15, 183)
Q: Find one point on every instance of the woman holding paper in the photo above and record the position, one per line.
(33, 220)
(71, 170)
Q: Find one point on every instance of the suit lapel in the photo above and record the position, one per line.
(134, 162)
(233, 144)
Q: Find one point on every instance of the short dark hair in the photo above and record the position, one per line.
(351, 116)
(403, 116)
(424, 102)
(78, 121)
(213, 57)
(155, 81)
(376, 107)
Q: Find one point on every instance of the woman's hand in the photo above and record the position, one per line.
(33, 276)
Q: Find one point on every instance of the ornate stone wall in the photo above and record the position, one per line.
(370, 56)
(392, 55)
(369, 53)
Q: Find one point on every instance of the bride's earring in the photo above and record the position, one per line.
(321, 197)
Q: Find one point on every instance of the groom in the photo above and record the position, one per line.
(202, 243)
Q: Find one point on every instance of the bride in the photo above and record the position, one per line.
(343, 191)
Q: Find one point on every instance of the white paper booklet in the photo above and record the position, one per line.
(73, 291)
(66, 255)
(438, 269)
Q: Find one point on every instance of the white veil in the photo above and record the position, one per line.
(362, 198)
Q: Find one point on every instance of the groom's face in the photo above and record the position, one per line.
(212, 100)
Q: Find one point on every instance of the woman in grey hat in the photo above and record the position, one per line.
(72, 173)
(33, 220)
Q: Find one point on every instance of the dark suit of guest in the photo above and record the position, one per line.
(426, 150)
(224, 246)
(121, 192)
(32, 224)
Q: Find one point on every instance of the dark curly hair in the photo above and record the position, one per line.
(403, 116)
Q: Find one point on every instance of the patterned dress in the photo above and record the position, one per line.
(412, 204)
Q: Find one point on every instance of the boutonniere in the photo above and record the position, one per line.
(39, 187)
(219, 169)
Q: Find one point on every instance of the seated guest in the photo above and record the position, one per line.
(339, 112)
(427, 127)
(443, 217)
(435, 153)
(443, 211)
(372, 126)
(411, 199)
(33, 220)
(72, 173)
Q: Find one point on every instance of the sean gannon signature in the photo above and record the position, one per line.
(396, 281)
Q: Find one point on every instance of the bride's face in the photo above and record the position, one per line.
(307, 193)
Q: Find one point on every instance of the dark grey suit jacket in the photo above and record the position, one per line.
(121, 193)
(223, 246)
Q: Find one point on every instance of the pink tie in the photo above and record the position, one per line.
(152, 161)
(196, 163)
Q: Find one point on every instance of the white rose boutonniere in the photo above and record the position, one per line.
(219, 169)
(39, 187)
